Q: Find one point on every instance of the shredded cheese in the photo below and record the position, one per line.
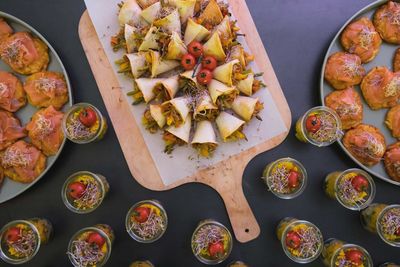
(13, 157)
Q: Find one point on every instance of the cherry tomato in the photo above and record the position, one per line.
(209, 62)
(204, 76)
(293, 239)
(188, 62)
(96, 238)
(76, 189)
(355, 256)
(88, 117)
(293, 179)
(313, 124)
(141, 214)
(13, 234)
(195, 48)
(216, 250)
(360, 183)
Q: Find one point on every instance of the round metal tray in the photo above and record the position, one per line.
(374, 117)
(11, 189)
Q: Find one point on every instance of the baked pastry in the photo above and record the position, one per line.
(396, 60)
(361, 38)
(387, 22)
(343, 70)
(10, 129)
(347, 104)
(366, 143)
(12, 94)
(46, 89)
(45, 131)
(22, 162)
(24, 53)
(381, 88)
(392, 161)
(5, 29)
(393, 120)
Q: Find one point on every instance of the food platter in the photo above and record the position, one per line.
(373, 117)
(10, 189)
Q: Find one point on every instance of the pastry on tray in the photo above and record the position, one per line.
(381, 88)
(396, 60)
(366, 143)
(45, 131)
(5, 29)
(393, 120)
(343, 70)
(10, 129)
(22, 162)
(12, 94)
(24, 53)
(46, 89)
(387, 22)
(392, 161)
(187, 63)
(361, 38)
(347, 104)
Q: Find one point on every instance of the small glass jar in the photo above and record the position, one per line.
(144, 214)
(320, 126)
(286, 178)
(299, 236)
(237, 264)
(76, 131)
(384, 220)
(354, 189)
(21, 239)
(84, 191)
(389, 264)
(94, 242)
(338, 253)
(211, 242)
(141, 264)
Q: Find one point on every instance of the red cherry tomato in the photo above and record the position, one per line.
(360, 183)
(76, 189)
(293, 179)
(88, 117)
(293, 239)
(195, 48)
(313, 124)
(355, 256)
(96, 238)
(216, 250)
(13, 234)
(188, 62)
(141, 214)
(209, 62)
(204, 76)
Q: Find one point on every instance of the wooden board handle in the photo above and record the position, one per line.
(228, 183)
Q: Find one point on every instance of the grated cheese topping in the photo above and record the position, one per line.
(366, 36)
(44, 126)
(46, 84)
(351, 68)
(14, 157)
(393, 88)
(3, 89)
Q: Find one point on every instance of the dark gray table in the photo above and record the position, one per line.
(296, 35)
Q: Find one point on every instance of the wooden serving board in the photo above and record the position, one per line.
(226, 176)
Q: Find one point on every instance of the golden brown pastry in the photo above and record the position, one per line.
(393, 120)
(46, 88)
(381, 88)
(347, 104)
(343, 70)
(366, 143)
(392, 161)
(396, 60)
(5, 29)
(45, 131)
(387, 22)
(12, 94)
(10, 129)
(22, 162)
(361, 38)
(24, 54)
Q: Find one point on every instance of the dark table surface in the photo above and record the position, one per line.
(296, 34)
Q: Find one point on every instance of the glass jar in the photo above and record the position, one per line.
(78, 132)
(84, 191)
(354, 189)
(146, 221)
(286, 178)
